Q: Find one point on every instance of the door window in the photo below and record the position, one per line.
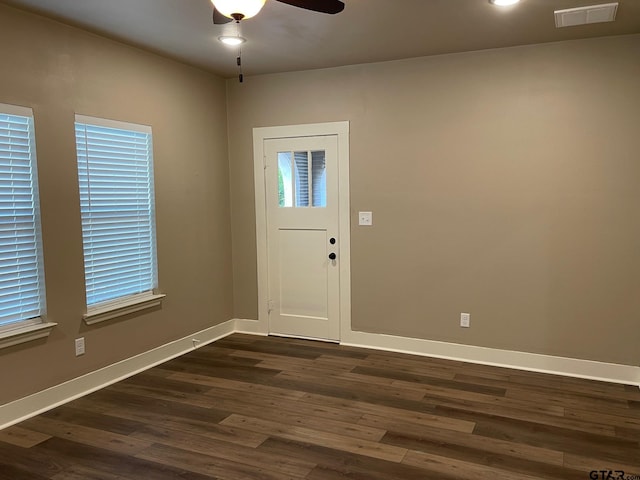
(302, 179)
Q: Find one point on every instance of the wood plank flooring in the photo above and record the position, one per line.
(272, 408)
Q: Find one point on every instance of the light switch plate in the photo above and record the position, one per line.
(365, 218)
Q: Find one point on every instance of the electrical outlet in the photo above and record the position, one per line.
(79, 346)
(465, 320)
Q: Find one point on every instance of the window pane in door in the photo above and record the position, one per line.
(302, 178)
(319, 179)
(285, 191)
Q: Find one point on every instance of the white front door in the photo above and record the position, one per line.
(302, 203)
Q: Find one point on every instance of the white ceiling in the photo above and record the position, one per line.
(283, 38)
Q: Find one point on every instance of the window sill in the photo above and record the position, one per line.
(119, 309)
(20, 335)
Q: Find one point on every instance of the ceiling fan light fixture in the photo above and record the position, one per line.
(503, 3)
(243, 8)
(232, 40)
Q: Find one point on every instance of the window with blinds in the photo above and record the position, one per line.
(115, 170)
(21, 271)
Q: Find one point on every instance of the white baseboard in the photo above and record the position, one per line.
(27, 407)
(533, 362)
(252, 327)
(21, 409)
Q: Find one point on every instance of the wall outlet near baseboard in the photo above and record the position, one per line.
(465, 320)
(79, 346)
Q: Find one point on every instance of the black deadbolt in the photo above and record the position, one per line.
(332, 241)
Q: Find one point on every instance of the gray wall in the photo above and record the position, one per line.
(503, 183)
(60, 71)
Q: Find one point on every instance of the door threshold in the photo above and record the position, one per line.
(299, 337)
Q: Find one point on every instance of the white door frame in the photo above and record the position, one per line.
(341, 130)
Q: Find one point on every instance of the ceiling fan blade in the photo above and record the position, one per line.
(220, 19)
(323, 6)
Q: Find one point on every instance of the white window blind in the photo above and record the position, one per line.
(115, 170)
(21, 272)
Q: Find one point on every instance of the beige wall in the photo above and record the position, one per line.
(503, 183)
(59, 71)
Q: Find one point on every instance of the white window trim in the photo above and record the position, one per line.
(16, 110)
(18, 335)
(109, 310)
(118, 308)
(105, 122)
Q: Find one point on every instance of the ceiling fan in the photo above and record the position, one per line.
(225, 11)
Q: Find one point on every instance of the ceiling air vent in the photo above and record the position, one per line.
(583, 15)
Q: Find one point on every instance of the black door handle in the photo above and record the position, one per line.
(332, 256)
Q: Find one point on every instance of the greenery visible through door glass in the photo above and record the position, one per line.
(285, 183)
(280, 189)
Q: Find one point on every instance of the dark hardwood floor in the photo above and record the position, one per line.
(271, 408)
